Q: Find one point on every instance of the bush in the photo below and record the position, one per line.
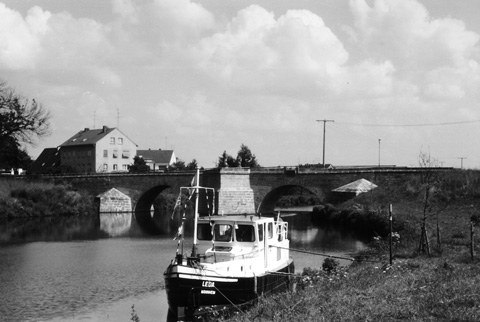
(42, 200)
(330, 265)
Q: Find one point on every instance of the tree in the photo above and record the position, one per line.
(139, 165)
(193, 165)
(436, 197)
(245, 157)
(226, 160)
(21, 122)
(179, 164)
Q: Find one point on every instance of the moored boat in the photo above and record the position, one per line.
(234, 259)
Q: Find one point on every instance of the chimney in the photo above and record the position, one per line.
(104, 129)
(86, 129)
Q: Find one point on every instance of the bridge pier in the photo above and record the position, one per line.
(115, 212)
(235, 195)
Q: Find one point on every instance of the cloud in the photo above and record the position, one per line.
(434, 54)
(260, 53)
(20, 39)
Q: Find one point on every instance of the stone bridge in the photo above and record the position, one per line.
(238, 190)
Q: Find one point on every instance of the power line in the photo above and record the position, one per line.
(410, 125)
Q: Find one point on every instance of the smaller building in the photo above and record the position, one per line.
(48, 162)
(157, 160)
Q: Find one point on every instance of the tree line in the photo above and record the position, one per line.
(245, 158)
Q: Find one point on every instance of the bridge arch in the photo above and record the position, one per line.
(148, 220)
(267, 204)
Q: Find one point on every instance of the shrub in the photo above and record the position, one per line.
(330, 265)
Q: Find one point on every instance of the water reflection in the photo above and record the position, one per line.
(58, 228)
(115, 224)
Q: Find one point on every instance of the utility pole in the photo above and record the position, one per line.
(461, 161)
(324, 123)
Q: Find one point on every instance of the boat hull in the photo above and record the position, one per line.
(195, 290)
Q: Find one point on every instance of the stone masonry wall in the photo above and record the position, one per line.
(235, 195)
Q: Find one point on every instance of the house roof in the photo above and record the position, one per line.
(357, 187)
(88, 137)
(49, 158)
(157, 156)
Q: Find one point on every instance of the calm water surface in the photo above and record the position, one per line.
(100, 280)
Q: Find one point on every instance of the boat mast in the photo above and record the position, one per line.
(194, 249)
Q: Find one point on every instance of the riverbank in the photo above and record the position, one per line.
(439, 281)
(442, 286)
(24, 199)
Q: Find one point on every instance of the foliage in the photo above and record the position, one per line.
(418, 289)
(43, 200)
(139, 165)
(192, 165)
(134, 317)
(245, 158)
(226, 160)
(330, 265)
(360, 220)
(21, 121)
(179, 165)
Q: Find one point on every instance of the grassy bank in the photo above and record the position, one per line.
(20, 199)
(440, 285)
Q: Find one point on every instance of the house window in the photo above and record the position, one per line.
(112, 140)
(125, 154)
(105, 167)
(105, 153)
(115, 167)
(115, 154)
(89, 153)
(120, 141)
(125, 167)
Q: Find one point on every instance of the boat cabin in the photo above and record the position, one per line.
(233, 238)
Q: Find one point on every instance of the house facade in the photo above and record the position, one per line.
(157, 160)
(98, 150)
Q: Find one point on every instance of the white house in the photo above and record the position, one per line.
(98, 150)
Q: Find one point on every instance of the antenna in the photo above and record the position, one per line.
(94, 118)
(118, 118)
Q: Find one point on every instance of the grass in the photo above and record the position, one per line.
(441, 286)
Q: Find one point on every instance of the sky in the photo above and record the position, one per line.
(394, 79)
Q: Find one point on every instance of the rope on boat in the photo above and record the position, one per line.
(236, 306)
(326, 255)
(314, 253)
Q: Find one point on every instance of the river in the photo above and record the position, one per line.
(99, 279)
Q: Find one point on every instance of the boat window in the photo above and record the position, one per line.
(222, 232)
(270, 230)
(260, 232)
(204, 232)
(244, 233)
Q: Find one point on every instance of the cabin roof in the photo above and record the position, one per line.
(238, 218)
